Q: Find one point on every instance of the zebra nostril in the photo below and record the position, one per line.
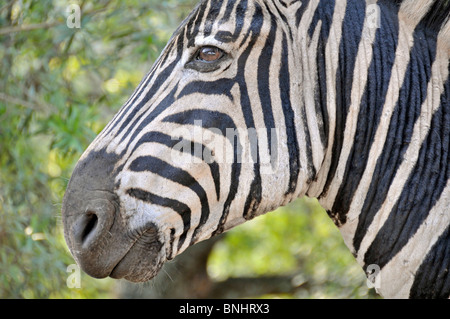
(85, 229)
(91, 222)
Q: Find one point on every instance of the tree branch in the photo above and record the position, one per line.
(14, 100)
(30, 27)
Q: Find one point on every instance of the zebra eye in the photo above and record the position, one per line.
(209, 54)
(207, 59)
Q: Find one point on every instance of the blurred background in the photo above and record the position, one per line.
(59, 86)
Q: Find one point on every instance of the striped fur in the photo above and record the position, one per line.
(350, 100)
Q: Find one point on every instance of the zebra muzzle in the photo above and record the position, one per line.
(100, 237)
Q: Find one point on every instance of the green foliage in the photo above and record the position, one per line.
(298, 239)
(58, 88)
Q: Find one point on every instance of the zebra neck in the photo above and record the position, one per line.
(346, 61)
(381, 93)
(318, 87)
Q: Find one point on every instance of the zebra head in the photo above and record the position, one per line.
(254, 103)
(195, 150)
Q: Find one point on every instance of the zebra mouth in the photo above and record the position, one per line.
(142, 261)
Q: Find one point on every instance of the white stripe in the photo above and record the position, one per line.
(397, 277)
(296, 91)
(332, 61)
(309, 87)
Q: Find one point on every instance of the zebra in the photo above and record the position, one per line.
(254, 103)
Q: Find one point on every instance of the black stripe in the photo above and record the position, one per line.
(264, 62)
(437, 16)
(211, 17)
(195, 23)
(422, 189)
(228, 10)
(372, 101)
(170, 255)
(176, 39)
(432, 279)
(169, 49)
(209, 120)
(158, 109)
(284, 4)
(155, 165)
(301, 11)
(161, 79)
(398, 3)
(284, 19)
(188, 30)
(220, 87)
(352, 26)
(182, 209)
(255, 194)
(324, 13)
(289, 119)
(320, 95)
(311, 170)
(239, 16)
(190, 147)
(144, 82)
(224, 123)
(406, 112)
